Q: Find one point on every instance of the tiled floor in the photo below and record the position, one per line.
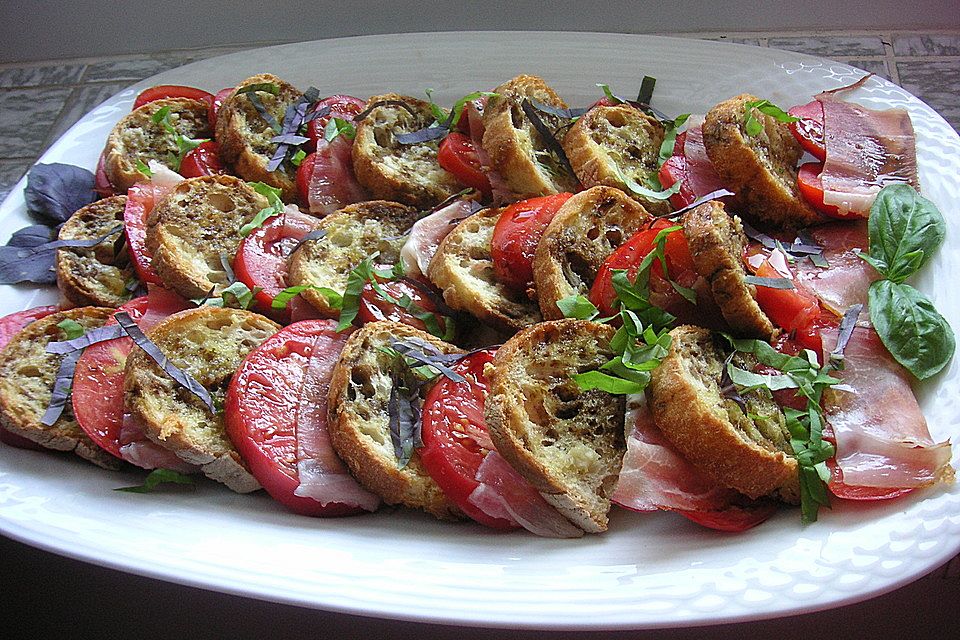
(39, 101)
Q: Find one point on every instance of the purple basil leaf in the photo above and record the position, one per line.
(38, 269)
(32, 236)
(100, 334)
(422, 135)
(61, 389)
(55, 191)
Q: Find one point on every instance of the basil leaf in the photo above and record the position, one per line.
(579, 307)
(753, 126)
(915, 334)
(642, 191)
(603, 382)
(750, 380)
(282, 299)
(71, 328)
(55, 191)
(670, 138)
(905, 230)
(157, 477)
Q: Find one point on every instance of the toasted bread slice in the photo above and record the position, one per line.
(463, 270)
(95, 276)
(27, 377)
(208, 343)
(567, 442)
(749, 452)
(193, 230)
(760, 169)
(609, 143)
(245, 136)
(516, 149)
(359, 418)
(138, 137)
(716, 243)
(350, 235)
(583, 233)
(391, 170)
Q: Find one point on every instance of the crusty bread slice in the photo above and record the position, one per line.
(196, 227)
(568, 443)
(208, 343)
(717, 242)
(95, 276)
(27, 376)
(359, 419)
(516, 149)
(463, 270)
(584, 232)
(350, 235)
(244, 135)
(749, 453)
(609, 143)
(760, 169)
(138, 137)
(391, 170)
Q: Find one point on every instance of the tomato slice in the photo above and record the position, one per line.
(171, 91)
(733, 519)
(263, 410)
(218, 99)
(455, 438)
(204, 160)
(140, 200)
(458, 155)
(516, 234)
(373, 307)
(101, 183)
(341, 106)
(304, 175)
(261, 259)
(808, 130)
(810, 184)
(789, 309)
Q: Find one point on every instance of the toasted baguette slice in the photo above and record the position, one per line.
(463, 270)
(567, 442)
(196, 227)
(95, 276)
(760, 169)
(350, 235)
(609, 143)
(359, 419)
(516, 149)
(583, 233)
(716, 243)
(208, 343)
(138, 137)
(245, 136)
(390, 170)
(749, 453)
(27, 377)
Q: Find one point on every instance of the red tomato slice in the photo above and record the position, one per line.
(215, 104)
(789, 309)
(140, 202)
(304, 175)
(101, 183)
(631, 253)
(733, 519)
(98, 379)
(810, 184)
(458, 155)
(454, 434)
(373, 307)
(263, 403)
(261, 259)
(171, 91)
(516, 235)
(808, 130)
(341, 106)
(204, 160)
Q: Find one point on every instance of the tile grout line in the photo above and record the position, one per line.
(890, 57)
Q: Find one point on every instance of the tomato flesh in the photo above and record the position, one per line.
(204, 160)
(458, 155)
(304, 175)
(810, 184)
(516, 234)
(140, 201)
(341, 106)
(101, 183)
(215, 104)
(455, 439)
(162, 91)
(808, 130)
(373, 307)
(262, 409)
(732, 519)
(789, 309)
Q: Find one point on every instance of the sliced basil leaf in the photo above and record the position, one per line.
(770, 283)
(282, 299)
(603, 382)
(157, 477)
(71, 328)
(577, 306)
(78, 340)
(670, 138)
(61, 388)
(643, 191)
(647, 85)
(752, 126)
(750, 380)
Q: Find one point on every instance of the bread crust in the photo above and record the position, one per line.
(717, 243)
(208, 343)
(761, 170)
(350, 235)
(712, 432)
(244, 136)
(621, 138)
(568, 443)
(138, 137)
(462, 269)
(516, 149)
(95, 276)
(27, 376)
(195, 227)
(358, 420)
(584, 232)
(407, 173)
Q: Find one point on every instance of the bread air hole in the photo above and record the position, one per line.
(221, 202)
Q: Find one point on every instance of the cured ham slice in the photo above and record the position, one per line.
(136, 449)
(701, 174)
(502, 193)
(428, 232)
(881, 435)
(866, 150)
(332, 183)
(845, 282)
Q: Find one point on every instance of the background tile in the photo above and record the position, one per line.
(937, 83)
(831, 46)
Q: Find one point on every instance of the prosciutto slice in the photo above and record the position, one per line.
(845, 282)
(332, 183)
(428, 232)
(881, 435)
(702, 176)
(136, 449)
(866, 150)
(502, 193)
